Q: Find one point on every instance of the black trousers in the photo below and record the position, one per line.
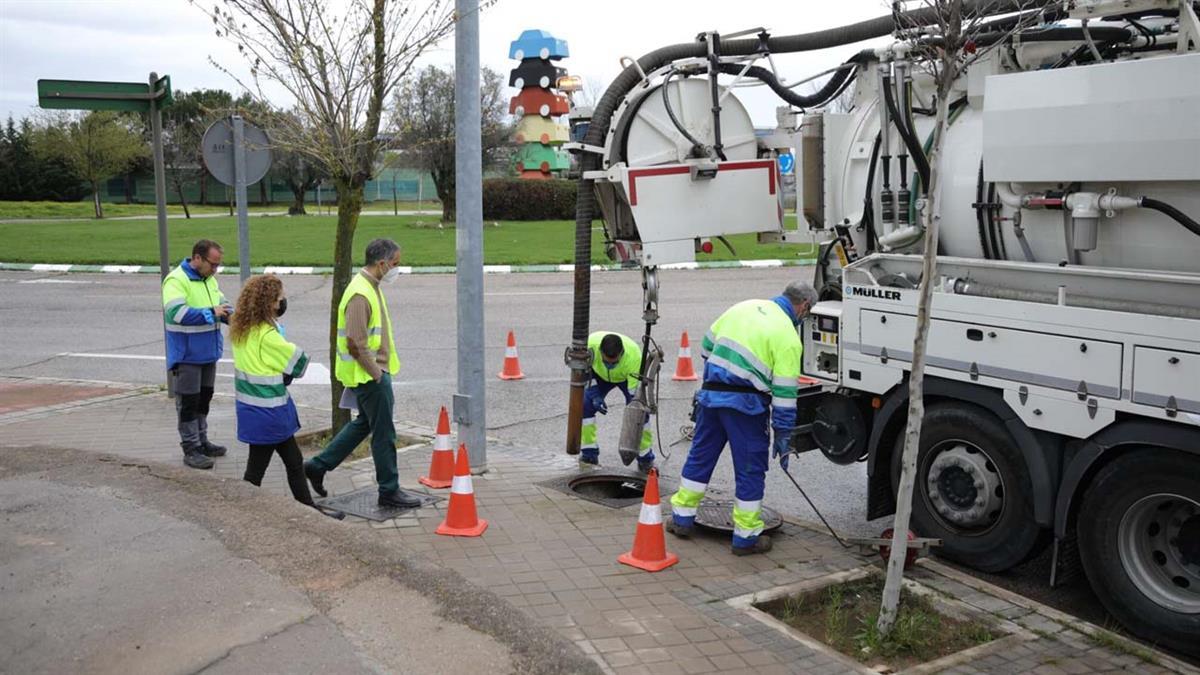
(293, 463)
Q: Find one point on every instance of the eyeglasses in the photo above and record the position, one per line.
(214, 264)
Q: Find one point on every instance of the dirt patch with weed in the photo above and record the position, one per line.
(313, 442)
(845, 617)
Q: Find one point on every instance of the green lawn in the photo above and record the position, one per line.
(280, 240)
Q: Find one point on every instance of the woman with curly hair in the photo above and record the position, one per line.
(264, 365)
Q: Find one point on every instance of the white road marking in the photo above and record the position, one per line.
(537, 293)
(134, 357)
(54, 281)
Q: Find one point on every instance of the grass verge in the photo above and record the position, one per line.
(845, 616)
(308, 241)
(53, 210)
(1112, 643)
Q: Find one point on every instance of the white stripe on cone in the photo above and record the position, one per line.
(510, 352)
(651, 515)
(685, 352)
(462, 486)
(442, 442)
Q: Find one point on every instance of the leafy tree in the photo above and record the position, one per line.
(26, 177)
(339, 63)
(423, 120)
(97, 145)
(301, 174)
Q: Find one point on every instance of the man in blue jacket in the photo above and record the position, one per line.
(193, 311)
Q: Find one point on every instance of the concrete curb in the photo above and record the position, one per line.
(438, 269)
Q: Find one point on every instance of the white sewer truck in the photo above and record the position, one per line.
(1063, 373)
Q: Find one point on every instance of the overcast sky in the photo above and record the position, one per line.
(123, 40)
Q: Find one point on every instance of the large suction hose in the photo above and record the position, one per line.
(625, 82)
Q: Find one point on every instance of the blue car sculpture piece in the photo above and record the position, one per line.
(537, 44)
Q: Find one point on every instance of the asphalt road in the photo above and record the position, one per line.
(108, 327)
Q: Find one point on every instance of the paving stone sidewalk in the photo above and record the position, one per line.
(554, 556)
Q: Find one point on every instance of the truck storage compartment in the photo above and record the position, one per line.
(1081, 365)
(1162, 374)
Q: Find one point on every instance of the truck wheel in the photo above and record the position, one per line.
(1139, 541)
(972, 488)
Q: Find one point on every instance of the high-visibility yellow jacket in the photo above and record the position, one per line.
(193, 332)
(626, 370)
(265, 412)
(755, 344)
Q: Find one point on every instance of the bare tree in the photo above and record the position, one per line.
(339, 63)
(589, 95)
(947, 57)
(184, 123)
(424, 126)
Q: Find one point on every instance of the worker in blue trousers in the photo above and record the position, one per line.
(751, 379)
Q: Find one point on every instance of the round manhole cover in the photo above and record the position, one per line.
(717, 514)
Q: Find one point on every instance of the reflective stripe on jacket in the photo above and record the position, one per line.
(193, 333)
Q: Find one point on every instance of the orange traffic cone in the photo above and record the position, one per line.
(512, 364)
(461, 519)
(684, 370)
(441, 466)
(649, 545)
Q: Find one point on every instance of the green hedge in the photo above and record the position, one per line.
(517, 199)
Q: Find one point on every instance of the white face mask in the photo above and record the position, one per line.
(391, 275)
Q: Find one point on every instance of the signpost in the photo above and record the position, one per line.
(150, 98)
(237, 154)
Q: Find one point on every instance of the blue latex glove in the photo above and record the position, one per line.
(598, 404)
(779, 448)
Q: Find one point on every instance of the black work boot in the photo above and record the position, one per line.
(211, 449)
(195, 458)
(761, 545)
(399, 499)
(681, 531)
(316, 478)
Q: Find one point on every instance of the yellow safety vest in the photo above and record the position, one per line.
(347, 368)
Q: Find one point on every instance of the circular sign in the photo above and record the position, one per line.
(787, 163)
(217, 150)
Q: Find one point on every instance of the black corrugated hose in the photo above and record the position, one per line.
(920, 161)
(585, 203)
(1174, 213)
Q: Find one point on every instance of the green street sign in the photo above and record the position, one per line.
(87, 95)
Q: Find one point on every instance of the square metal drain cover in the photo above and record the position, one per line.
(364, 503)
(614, 489)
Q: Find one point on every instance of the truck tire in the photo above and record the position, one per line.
(1139, 541)
(972, 489)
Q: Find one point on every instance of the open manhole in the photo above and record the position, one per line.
(717, 514)
(608, 487)
(614, 489)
